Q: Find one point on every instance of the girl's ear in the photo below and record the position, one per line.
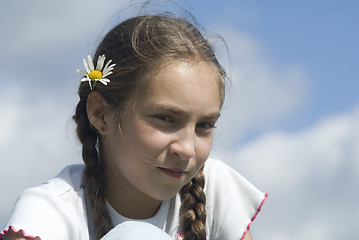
(98, 112)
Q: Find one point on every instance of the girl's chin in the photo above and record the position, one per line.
(168, 195)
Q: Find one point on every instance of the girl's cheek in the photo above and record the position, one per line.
(204, 147)
(149, 135)
(156, 141)
(151, 139)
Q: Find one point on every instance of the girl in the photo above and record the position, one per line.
(147, 110)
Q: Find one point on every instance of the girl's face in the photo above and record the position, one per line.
(166, 136)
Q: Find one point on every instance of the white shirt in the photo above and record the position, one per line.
(58, 209)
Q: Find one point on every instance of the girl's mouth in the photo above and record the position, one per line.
(173, 172)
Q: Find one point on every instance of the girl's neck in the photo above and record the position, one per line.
(134, 208)
(130, 203)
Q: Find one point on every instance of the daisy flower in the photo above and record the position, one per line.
(93, 75)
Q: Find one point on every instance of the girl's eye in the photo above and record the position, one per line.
(163, 118)
(205, 125)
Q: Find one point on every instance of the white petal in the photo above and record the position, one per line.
(105, 75)
(107, 64)
(82, 72)
(104, 81)
(100, 62)
(108, 69)
(90, 63)
(86, 66)
(84, 80)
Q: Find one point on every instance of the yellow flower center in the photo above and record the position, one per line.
(95, 74)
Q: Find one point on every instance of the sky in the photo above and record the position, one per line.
(290, 123)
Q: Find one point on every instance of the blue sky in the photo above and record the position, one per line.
(290, 123)
(319, 36)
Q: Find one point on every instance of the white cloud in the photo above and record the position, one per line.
(40, 28)
(319, 150)
(312, 178)
(34, 142)
(260, 93)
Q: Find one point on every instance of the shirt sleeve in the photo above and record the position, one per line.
(232, 202)
(49, 211)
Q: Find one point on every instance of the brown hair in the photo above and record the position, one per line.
(138, 46)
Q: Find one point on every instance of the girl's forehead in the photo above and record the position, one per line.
(181, 73)
(184, 84)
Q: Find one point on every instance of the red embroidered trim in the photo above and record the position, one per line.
(179, 236)
(254, 217)
(16, 231)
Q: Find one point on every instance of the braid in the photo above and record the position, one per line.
(193, 212)
(93, 175)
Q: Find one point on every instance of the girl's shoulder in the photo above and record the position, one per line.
(232, 202)
(218, 173)
(67, 181)
(53, 209)
(64, 189)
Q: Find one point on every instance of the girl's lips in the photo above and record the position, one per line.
(173, 172)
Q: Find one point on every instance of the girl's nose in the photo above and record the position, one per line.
(184, 145)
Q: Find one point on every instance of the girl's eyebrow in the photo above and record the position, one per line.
(179, 111)
(169, 108)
